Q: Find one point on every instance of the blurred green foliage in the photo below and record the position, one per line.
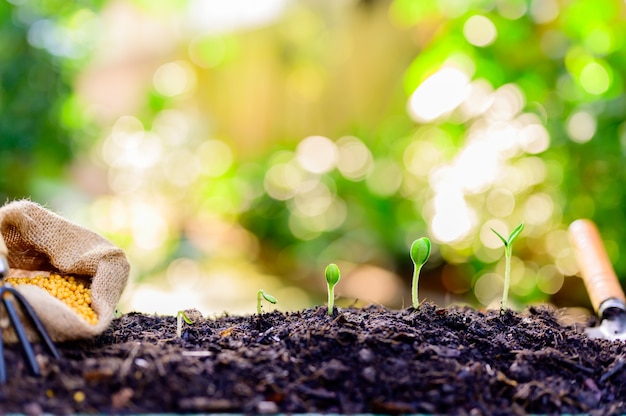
(311, 133)
(36, 74)
(568, 63)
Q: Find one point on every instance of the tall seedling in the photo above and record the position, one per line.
(420, 251)
(332, 277)
(508, 252)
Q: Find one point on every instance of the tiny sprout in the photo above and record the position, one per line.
(180, 317)
(420, 251)
(332, 277)
(508, 253)
(263, 294)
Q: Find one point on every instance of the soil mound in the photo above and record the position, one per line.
(432, 360)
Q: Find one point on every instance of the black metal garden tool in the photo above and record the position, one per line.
(7, 295)
(605, 292)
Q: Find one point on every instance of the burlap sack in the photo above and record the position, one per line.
(36, 239)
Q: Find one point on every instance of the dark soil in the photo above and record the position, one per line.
(434, 360)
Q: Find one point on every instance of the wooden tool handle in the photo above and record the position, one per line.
(595, 266)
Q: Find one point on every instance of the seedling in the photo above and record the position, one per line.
(332, 277)
(180, 317)
(508, 252)
(420, 251)
(261, 294)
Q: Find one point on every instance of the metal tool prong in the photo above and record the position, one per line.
(613, 324)
(7, 294)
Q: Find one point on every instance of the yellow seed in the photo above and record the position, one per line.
(79, 396)
(68, 289)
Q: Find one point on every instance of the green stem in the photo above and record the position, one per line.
(507, 279)
(179, 325)
(416, 273)
(258, 302)
(331, 298)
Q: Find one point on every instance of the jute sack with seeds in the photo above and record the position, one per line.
(71, 276)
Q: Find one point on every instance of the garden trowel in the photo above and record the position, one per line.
(605, 292)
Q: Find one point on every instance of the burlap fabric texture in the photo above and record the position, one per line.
(36, 240)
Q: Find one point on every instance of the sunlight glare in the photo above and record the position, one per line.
(453, 219)
(216, 157)
(385, 179)
(216, 17)
(173, 126)
(184, 273)
(124, 181)
(150, 299)
(453, 8)
(309, 227)
(595, 78)
(538, 208)
(508, 101)
(512, 9)
(534, 138)
(149, 227)
(476, 166)
(420, 157)
(355, 159)
(479, 99)
(439, 94)
(544, 11)
(110, 214)
(312, 199)
(549, 279)
(480, 31)
(317, 154)
(533, 168)
(488, 288)
(124, 127)
(282, 180)
(174, 78)
(581, 126)
(500, 202)
(138, 150)
(182, 167)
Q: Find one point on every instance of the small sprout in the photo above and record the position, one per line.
(420, 251)
(261, 294)
(332, 277)
(180, 317)
(508, 253)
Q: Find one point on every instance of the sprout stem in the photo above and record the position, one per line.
(331, 298)
(414, 293)
(507, 277)
(180, 317)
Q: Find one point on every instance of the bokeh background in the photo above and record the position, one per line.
(231, 146)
